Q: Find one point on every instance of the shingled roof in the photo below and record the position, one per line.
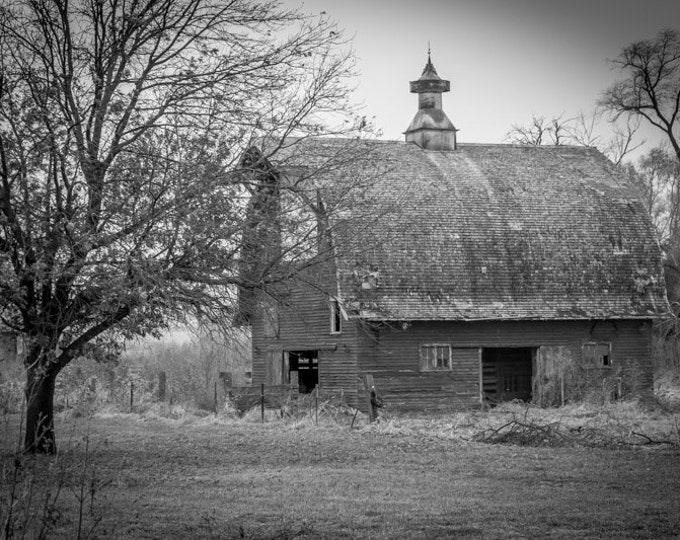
(490, 232)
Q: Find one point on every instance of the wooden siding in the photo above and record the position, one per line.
(392, 356)
(445, 389)
(391, 353)
(301, 322)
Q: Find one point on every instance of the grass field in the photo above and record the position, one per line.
(415, 477)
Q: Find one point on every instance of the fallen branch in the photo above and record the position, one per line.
(526, 433)
(523, 433)
(649, 440)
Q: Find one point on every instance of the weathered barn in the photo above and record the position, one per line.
(480, 273)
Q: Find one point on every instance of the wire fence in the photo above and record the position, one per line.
(288, 400)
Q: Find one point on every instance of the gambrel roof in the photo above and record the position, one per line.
(491, 232)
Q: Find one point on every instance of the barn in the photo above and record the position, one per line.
(472, 274)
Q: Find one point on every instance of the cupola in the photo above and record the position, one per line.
(431, 129)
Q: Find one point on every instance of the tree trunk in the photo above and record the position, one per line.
(40, 411)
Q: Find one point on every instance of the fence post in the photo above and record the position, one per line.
(132, 394)
(162, 385)
(354, 418)
(215, 398)
(262, 401)
(316, 405)
(368, 384)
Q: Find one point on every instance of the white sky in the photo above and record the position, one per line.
(506, 59)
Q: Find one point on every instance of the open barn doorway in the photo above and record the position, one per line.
(304, 366)
(507, 373)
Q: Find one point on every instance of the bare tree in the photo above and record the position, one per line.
(583, 130)
(651, 88)
(119, 124)
(616, 140)
(540, 131)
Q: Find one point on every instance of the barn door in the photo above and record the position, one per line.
(273, 368)
(551, 372)
(507, 373)
(303, 367)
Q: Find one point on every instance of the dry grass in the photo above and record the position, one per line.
(615, 424)
(407, 477)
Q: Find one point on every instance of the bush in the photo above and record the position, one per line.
(11, 397)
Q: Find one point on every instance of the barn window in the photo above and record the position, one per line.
(336, 316)
(597, 354)
(271, 319)
(435, 357)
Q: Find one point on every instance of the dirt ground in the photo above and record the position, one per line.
(149, 477)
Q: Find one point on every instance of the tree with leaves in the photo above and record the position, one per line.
(657, 178)
(122, 194)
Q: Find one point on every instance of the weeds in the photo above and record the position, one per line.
(43, 495)
(29, 507)
(211, 527)
(615, 425)
(165, 473)
(620, 424)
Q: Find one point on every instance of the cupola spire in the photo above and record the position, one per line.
(431, 129)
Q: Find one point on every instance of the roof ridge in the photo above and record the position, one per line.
(461, 144)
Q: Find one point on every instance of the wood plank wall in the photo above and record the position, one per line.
(392, 356)
(392, 352)
(303, 323)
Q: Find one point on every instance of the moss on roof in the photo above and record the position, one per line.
(493, 232)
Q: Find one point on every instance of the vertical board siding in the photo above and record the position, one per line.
(393, 357)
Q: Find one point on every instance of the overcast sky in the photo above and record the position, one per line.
(506, 59)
